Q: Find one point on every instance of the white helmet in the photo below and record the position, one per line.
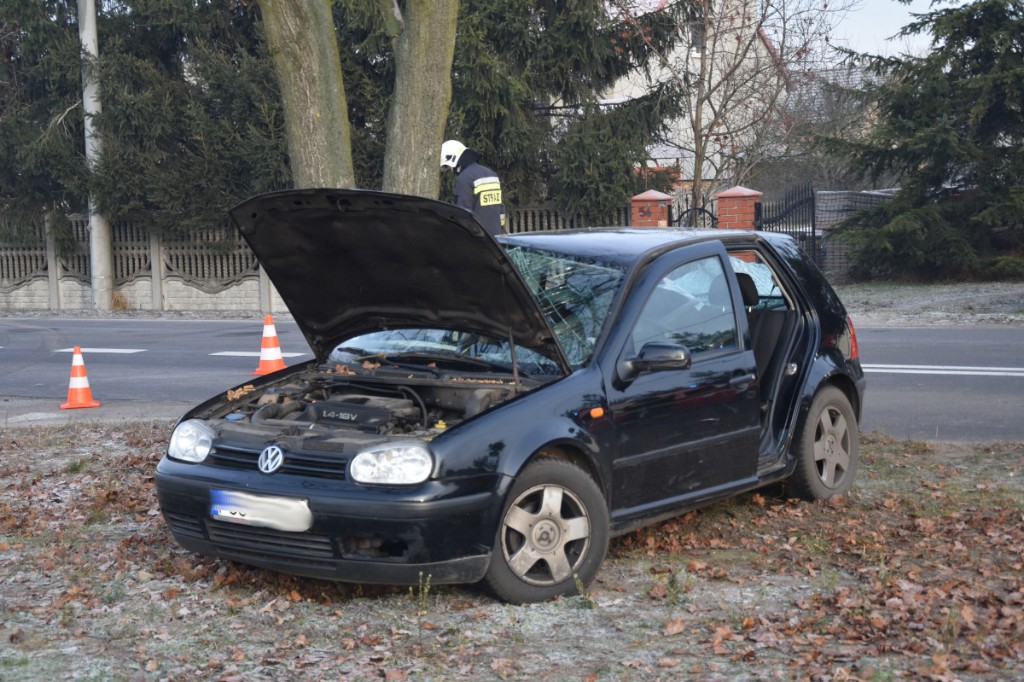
(451, 150)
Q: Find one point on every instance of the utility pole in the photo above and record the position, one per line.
(101, 243)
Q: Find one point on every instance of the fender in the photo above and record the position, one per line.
(510, 435)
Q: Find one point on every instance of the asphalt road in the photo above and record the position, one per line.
(929, 383)
(944, 383)
(155, 368)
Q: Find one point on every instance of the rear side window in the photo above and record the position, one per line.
(769, 291)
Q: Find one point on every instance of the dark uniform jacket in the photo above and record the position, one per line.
(478, 189)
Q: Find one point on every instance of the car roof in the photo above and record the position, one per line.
(621, 246)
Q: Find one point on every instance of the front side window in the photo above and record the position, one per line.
(692, 307)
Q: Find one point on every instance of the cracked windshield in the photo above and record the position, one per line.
(575, 296)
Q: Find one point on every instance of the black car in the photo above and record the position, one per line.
(496, 410)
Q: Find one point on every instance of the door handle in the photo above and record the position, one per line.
(742, 381)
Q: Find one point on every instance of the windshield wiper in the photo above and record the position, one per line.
(367, 360)
(450, 356)
(391, 361)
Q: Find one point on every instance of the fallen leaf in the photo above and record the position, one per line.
(673, 627)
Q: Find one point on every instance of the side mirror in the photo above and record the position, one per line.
(655, 357)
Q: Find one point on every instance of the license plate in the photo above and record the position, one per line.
(280, 513)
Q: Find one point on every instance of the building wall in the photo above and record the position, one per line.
(730, 56)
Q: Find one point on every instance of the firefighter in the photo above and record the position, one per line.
(477, 188)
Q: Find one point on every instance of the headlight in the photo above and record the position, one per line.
(191, 441)
(393, 464)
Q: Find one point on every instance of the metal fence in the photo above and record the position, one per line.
(830, 209)
(794, 215)
(685, 213)
(548, 219)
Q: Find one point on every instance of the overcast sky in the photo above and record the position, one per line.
(866, 28)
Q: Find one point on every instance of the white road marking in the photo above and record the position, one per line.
(32, 416)
(128, 351)
(947, 370)
(87, 351)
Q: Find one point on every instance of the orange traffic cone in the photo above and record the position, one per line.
(271, 359)
(79, 394)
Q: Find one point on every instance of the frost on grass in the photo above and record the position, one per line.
(916, 574)
(955, 304)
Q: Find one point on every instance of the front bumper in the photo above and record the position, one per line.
(444, 531)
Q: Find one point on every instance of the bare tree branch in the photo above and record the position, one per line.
(737, 61)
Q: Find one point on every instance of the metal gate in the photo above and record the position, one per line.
(792, 215)
(684, 215)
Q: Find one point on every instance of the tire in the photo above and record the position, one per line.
(552, 536)
(827, 449)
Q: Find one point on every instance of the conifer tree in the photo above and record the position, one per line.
(192, 115)
(193, 120)
(41, 163)
(950, 127)
(528, 79)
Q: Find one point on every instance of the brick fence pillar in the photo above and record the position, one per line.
(736, 208)
(650, 209)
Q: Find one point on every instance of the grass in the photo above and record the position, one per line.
(76, 467)
(931, 531)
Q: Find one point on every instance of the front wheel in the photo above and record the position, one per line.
(552, 537)
(827, 448)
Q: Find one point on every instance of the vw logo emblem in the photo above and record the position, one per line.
(271, 459)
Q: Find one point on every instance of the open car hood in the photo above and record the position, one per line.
(349, 262)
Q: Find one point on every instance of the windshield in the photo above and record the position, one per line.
(575, 295)
(441, 349)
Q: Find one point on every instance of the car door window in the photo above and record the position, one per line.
(770, 293)
(690, 306)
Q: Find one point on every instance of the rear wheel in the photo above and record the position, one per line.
(553, 534)
(828, 447)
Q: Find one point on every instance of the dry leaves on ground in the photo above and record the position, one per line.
(917, 574)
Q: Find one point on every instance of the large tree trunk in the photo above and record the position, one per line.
(304, 49)
(424, 49)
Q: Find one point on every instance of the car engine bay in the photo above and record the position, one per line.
(379, 401)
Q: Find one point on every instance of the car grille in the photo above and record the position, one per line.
(298, 463)
(266, 542)
(262, 546)
(253, 542)
(182, 524)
